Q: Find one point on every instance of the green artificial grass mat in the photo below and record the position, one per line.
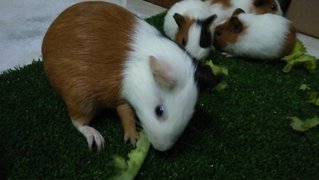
(241, 132)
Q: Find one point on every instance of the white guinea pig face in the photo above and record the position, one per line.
(166, 106)
(194, 35)
(167, 116)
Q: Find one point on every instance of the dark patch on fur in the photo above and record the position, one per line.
(205, 40)
(205, 77)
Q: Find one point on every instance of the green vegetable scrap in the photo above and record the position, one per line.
(313, 95)
(303, 125)
(129, 169)
(304, 87)
(299, 56)
(217, 69)
(314, 98)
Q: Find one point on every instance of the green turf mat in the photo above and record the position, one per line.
(239, 133)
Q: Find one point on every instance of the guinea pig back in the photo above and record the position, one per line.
(83, 55)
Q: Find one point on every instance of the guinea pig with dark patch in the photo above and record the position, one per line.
(188, 24)
(100, 55)
(264, 37)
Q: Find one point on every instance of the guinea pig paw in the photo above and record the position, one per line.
(93, 136)
(132, 136)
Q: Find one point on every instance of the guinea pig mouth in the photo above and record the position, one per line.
(162, 147)
(217, 45)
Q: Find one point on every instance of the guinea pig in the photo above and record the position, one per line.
(224, 8)
(265, 37)
(187, 23)
(100, 55)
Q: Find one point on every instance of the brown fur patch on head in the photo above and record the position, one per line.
(289, 42)
(184, 23)
(264, 6)
(228, 33)
(225, 3)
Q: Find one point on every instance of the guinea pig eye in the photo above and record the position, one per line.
(159, 110)
(184, 42)
(218, 32)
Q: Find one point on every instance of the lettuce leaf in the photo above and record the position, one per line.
(299, 56)
(217, 69)
(129, 169)
(303, 125)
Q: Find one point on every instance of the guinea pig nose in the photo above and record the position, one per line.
(159, 110)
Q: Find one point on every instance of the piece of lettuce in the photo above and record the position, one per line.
(313, 95)
(303, 125)
(128, 169)
(217, 69)
(299, 56)
(314, 98)
(304, 87)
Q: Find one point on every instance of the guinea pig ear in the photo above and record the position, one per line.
(205, 40)
(236, 25)
(238, 11)
(179, 19)
(163, 73)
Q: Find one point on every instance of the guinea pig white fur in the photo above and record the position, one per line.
(99, 55)
(266, 36)
(188, 23)
(224, 8)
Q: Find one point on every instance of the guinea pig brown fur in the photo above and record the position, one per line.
(98, 54)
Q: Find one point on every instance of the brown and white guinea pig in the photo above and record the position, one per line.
(264, 37)
(98, 54)
(224, 8)
(188, 23)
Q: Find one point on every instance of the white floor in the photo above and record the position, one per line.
(23, 24)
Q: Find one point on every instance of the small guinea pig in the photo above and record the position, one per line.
(265, 37)
(188, 23)
(224, 8)
(98, 54)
